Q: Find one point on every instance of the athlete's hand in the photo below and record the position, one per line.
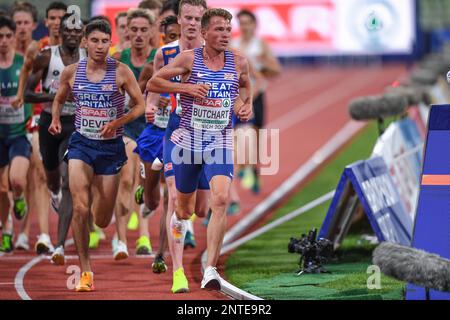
(108, 130)
(17, 103)
(245, 112)
(150, 111)
(55, 127)
(197, 90)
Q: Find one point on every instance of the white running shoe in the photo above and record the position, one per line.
(44, 244)
(58, 256)
(55, 201)
(121, 251)
(211, 279)
(22, 242)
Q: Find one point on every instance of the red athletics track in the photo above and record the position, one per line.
(307, 104)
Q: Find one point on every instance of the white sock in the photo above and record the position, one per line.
(180, 228)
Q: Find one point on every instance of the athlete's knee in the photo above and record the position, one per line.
(152, 203)
(101, 222)
(126, 183)
(65, 179)
(80, 209)
(18, 182)
(184, 213)
(201, 210)
(219, 199)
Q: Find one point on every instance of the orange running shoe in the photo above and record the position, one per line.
(86, 283)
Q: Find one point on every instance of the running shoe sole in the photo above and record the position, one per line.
(142, 251)
(182, 290)
(41, 248)
(159, 268)
(85, 289)
(212, 285)
(121, 256)
(58, 259)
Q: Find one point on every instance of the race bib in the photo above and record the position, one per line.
(178, 109)
(92, 121)
(9, 115)
(211, 114)
(69, 108)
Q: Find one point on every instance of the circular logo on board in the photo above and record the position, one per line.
(374, 23)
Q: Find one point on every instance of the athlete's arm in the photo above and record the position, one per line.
(146, 74)
(244, 111)
(181, 65)
(65, 88)
(271, 66)
(30, 55)
(154, 100)
(40, 64)
(126, 81)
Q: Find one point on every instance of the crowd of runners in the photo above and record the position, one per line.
(101, 133)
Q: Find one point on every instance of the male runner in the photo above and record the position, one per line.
(96, 150)
(15, 148)
(122, 34)
(212, 79)
(25, 16)
(189, 18)
(150, 148)
(140, 30)
(48, 67)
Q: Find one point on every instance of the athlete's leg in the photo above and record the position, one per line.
(66, 206)
(104, 193)
(152, 193)
(40, 192)
(123, 202)
(18, 175)
(81, 176)
(4, 199)
(143, 243)
(220, 190)
(162, 244)
(202, 203)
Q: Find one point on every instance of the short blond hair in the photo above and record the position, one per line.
(134, 13)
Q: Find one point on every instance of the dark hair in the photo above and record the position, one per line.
(6, 21)
(55, 6)
(98, 25)
(169, 20)
(195, 3)
(66, 17)
(173, 5)
(118, 16)
(101, 18)
(140, 13)
(215, 12)
(245, 12)
(150, 4)
(24, 6)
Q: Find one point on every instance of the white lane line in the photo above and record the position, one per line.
(18, 281)
(20, 275)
